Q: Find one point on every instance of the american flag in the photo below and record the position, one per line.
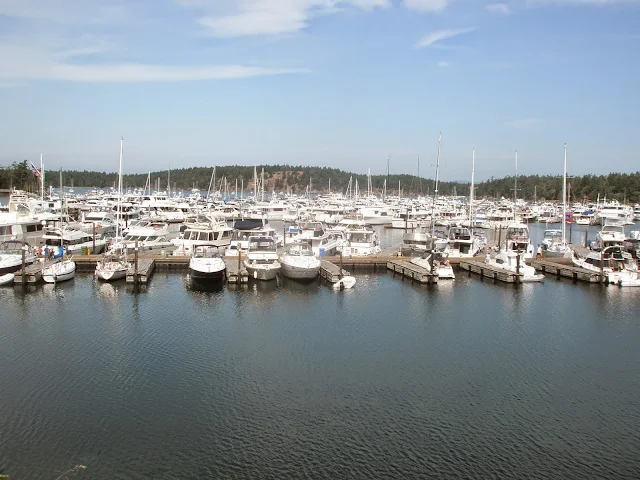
(35, 171)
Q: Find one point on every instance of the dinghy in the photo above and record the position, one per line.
(344, 283)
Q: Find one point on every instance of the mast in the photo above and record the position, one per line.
(387, 179)
(471, 192)
(118, 213)
(168, 182)
(212, 181)
(41, 179)
(419, 179)
(564, 196)
(435, 192)
(515, 189)
(262, 185)
(61, 213)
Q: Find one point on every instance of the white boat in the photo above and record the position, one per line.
(508, 260)
(75, 240)
(612, 234)
(213, 232)
(360, 241)
(59, 271)
(461, 243)
(345, 283)
(7, 279)
(152, 237)
(610, 262)
(441, 266)
(299, 263)
(112, 267)
(553, 244)
(11, 256)
(262, 258)
(206, 265)
(517, 239)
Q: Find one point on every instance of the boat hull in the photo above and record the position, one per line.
(201, 276)
(299, 273)
(7, 279)
(59, 272)
(109, 275)
(262, 272)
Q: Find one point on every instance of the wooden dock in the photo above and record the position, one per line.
(235, 272)
(410, 270)
(145, 269)
(567, 271)
(33, 272)
(491, 271)
(331, 272)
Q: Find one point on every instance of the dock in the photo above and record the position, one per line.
(567, 271)
(33, 272)
(143, 273)
(490, 271)
(235, 272)
(331, 272)
(410, 270)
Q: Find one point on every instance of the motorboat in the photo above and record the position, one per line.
(245, 229)
(360, 241)
(517, 239)
(612, 234)
(514, 262)
(206, 265)
(74, 240)
(11, 256)
(7, 279)
(553, 244)
(345, 283)
(212, 233)
(441, 265)
(461, 243)
(59, 272)
(609, 262)
(262, 258)
(152, 237)
(417, 243)
(299, 263)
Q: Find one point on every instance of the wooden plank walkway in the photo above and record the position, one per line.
(410, 270)
(33, 272)
(491, 271)
(567, 271)
(233, 273)
(331, 272)
(144, 272)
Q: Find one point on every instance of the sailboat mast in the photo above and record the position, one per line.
(435, 192)
(41, 179)
(118, 212)
(564, 195)
(515, 189)
(471, 192)
(212, 181)
(61, 213)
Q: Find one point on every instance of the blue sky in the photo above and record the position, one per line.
(322, 82)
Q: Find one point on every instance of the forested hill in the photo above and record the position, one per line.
(296, 179)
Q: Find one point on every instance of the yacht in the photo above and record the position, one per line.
(441, 265)
(416, 243)
(215, 233)
(360, 241)
(461, 243)
(11, 256)
(508, 260)
(243, 230)
(206, 265)
(517, 239)
(262, 258)
(612, 234)
(610, 262)
(298, 262)
(553, 244)
(152, 237)
(74, 240)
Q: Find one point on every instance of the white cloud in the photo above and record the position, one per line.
(433, 39)
(269, 17)
(601, 3)
(524, 123)
(426, 6)
(499, 8)
(443, 64)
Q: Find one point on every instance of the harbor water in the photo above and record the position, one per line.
(465, 379)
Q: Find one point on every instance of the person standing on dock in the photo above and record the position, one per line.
(539, 256)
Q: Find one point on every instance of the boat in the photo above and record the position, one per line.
(62, 270)
(206, 265)
(154, 236)
(461, 243)
(112, 267)
(59, 272)
(262, 258)
(7, 279)
(612, 234)
(299, 263)
(517, 239)
(345, 283)
(508, 260)
(74, 239)
(11, 256)
(360, 241)
(209, 231)
(554, 243)
(609, 262)
(441, 265)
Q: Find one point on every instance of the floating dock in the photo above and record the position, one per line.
(235, 272)
(410, 270)
(567, 271)
(491, 271)
(33, 272)
(331, 272)
(143, 273)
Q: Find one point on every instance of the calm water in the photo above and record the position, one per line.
(389, 380)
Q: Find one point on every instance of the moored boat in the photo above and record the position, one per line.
(299, 263)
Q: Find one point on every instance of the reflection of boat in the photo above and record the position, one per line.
(262, 259)
(206, 265)
(298, 262)
(7, 278)
(59, 272)
(345, 283)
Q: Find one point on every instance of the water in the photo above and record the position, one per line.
(389, 380)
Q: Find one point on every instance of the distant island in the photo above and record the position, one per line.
(624, 187)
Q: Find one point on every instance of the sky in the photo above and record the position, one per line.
(336, 83)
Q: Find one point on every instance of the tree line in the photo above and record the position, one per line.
(624, 187)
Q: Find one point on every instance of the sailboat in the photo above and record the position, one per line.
(554, 243)
(64, 269)
(114, 264)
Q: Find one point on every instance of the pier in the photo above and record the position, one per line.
(490, 271)
(143, 272)
(33, 272)
(331, 272)
(410, 270)
(235, 272)
(567, 271)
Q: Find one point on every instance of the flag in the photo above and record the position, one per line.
(35, 171)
